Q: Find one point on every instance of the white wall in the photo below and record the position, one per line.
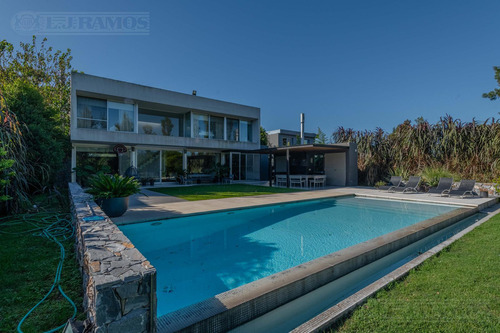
(335, 169)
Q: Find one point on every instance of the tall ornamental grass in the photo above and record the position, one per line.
(450, 147)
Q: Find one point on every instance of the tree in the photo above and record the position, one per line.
(264, 140)
(321, 137)
(48, 71)
(44, 139)
(495, 93)
(36, 82)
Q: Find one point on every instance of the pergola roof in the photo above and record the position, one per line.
(316, 148)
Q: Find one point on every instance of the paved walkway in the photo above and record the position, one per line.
(158, 206)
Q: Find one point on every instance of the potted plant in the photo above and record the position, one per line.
(112, 192)
(151, 181)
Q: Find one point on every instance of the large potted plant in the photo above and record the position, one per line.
(112, 192)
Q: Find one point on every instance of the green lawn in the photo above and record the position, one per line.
(205, 192)
(28, 265)
(455, 291)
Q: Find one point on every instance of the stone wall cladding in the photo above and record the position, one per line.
(119, 283)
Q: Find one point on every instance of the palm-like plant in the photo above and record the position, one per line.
(103, 186)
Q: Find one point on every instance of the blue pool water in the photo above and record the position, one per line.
(200, 256)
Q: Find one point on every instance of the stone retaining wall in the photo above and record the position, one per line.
(119, 283)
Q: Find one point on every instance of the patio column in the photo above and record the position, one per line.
(269, 169)
(184, 160)
(73, 164)
(288, 168)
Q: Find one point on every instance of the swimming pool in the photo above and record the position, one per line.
(197, 257)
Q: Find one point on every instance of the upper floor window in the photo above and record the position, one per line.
(160, 123)
(246, 131)
(232, 129)
(91, 113)
(284, 142)
(120, 117)
(216, 127)
(200, 126)
(103, 115)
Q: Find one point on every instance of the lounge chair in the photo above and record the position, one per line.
(395, 181)
(411, 186)
(443, 186)
(466, 187)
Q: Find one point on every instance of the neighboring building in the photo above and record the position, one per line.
(284, 138)
(163, 132)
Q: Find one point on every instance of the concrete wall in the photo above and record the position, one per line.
(119, 283)
(352, 165)
(335, 169)
(86, 135)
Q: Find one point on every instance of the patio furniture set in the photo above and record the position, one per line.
(444, 188)
(304, 181)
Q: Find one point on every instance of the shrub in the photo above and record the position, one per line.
(431, 175)
(5, 174)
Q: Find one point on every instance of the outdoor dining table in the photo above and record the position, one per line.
(305, 180)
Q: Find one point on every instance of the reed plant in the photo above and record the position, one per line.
(463, 149)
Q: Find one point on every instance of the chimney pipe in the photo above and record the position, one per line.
(302, 119)
(194, 92)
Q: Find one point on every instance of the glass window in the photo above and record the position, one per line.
(121, 117)
(91, 113)
(233, 129)
(160, 123)
(284, 142)
(171, 164)
(187, 125)
(216, 128)
(200, 126)
(202, 162)
(148, 163)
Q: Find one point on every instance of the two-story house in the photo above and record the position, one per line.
(118, 125)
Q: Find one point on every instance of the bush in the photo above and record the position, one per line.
(431, 175)
(106, 187)
(45, 142)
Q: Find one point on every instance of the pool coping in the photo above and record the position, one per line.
(330, 316)
(235, 307)
(191, 208)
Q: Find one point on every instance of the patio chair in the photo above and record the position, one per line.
(466, 187)
(317, 181)
(443, 186)
(395, 181)
(186, 180)
(410, 187)
(281, 180)
(228, 180)
(296, 180)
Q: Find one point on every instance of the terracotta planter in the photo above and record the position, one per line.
(114, 207)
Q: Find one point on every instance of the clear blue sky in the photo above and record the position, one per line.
(360, 64)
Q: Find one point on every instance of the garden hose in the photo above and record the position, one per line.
(51, 225)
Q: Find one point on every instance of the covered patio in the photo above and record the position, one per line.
(312, 165)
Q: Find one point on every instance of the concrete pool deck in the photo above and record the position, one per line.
(156, 206)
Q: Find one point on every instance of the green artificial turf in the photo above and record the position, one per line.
(28, 266)
(456, 291)
(205, 192)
